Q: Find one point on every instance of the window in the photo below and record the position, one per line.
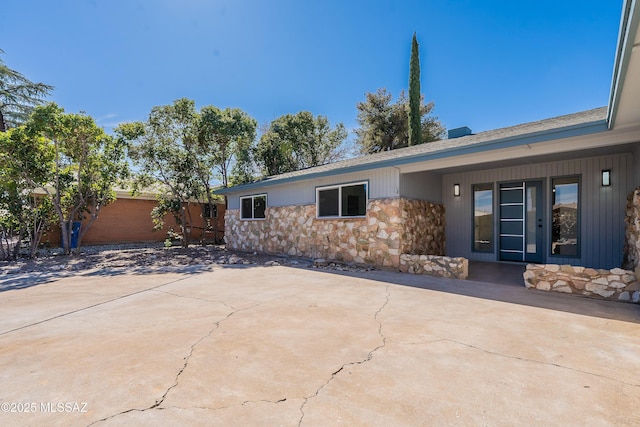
(253, 207)
(483, 218)
(210, 211)
(565, 216)
(348, 200)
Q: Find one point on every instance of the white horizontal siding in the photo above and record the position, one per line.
(383, 183)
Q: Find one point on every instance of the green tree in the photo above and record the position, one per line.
(299, 141)
(162, 150)
(24, 214)
(225, 138)
(185, 151)
(223, 152)
(68, 158)
(274, 152)
(384, 125)
(18, 96)
(87, 163)
(415, 118)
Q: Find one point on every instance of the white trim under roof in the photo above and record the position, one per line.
(627, 51)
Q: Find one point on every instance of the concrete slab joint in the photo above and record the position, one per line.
(615, 284)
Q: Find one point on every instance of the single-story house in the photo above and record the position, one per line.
(128, 220)
(549, 192)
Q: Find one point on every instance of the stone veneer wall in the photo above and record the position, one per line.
(423, 231)
(632, 238)
(440, 266)
(379, 238)
(615, 284)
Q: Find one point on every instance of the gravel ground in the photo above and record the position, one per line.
(156, 256)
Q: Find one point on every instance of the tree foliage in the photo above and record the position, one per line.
(24, 215)
(185, 151)
(18, 96)
(227, 136)
(69, 161)
(299, 141)
(384, 125)
(162, 150)
(415, 118)
(87, 164)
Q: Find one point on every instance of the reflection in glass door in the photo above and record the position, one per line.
(521, 222)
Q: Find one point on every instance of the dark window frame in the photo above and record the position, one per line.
(211, 213)
(339, 187)
(253, 207)
(489, 186)
(578, 181)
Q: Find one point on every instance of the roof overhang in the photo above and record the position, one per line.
(579, 146)
(624, 99)
(582, 136)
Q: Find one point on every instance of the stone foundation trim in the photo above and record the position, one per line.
(615, 284)
(439, 266)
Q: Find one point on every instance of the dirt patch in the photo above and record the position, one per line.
(155, 256)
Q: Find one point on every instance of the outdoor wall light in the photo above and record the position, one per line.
(606, 177)
(456, 190)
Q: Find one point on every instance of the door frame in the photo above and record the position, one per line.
(541, 220)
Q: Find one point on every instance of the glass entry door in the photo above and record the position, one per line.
(521, 230)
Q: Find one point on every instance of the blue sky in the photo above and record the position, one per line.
(486, 64)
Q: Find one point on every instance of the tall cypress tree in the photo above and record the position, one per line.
(415, 127)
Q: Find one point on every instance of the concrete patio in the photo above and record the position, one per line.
(287, 346)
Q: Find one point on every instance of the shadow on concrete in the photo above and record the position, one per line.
(12, 282)
(18, 281)
(508, 293)
(26, 280)
(497, 272)
(149, 269)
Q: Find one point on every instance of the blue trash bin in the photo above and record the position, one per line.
(75, 231)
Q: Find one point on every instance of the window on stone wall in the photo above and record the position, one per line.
(348, 200)
(253, 207)
(483, 218)
(565, 214)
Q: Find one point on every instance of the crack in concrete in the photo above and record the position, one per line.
(196, 298)
(221, 408)
(159, 401)
(284, 399)
(420, 342)
(524, 359)
(360, 362)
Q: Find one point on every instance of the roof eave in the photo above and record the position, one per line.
(628, 26)
(496, 144)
